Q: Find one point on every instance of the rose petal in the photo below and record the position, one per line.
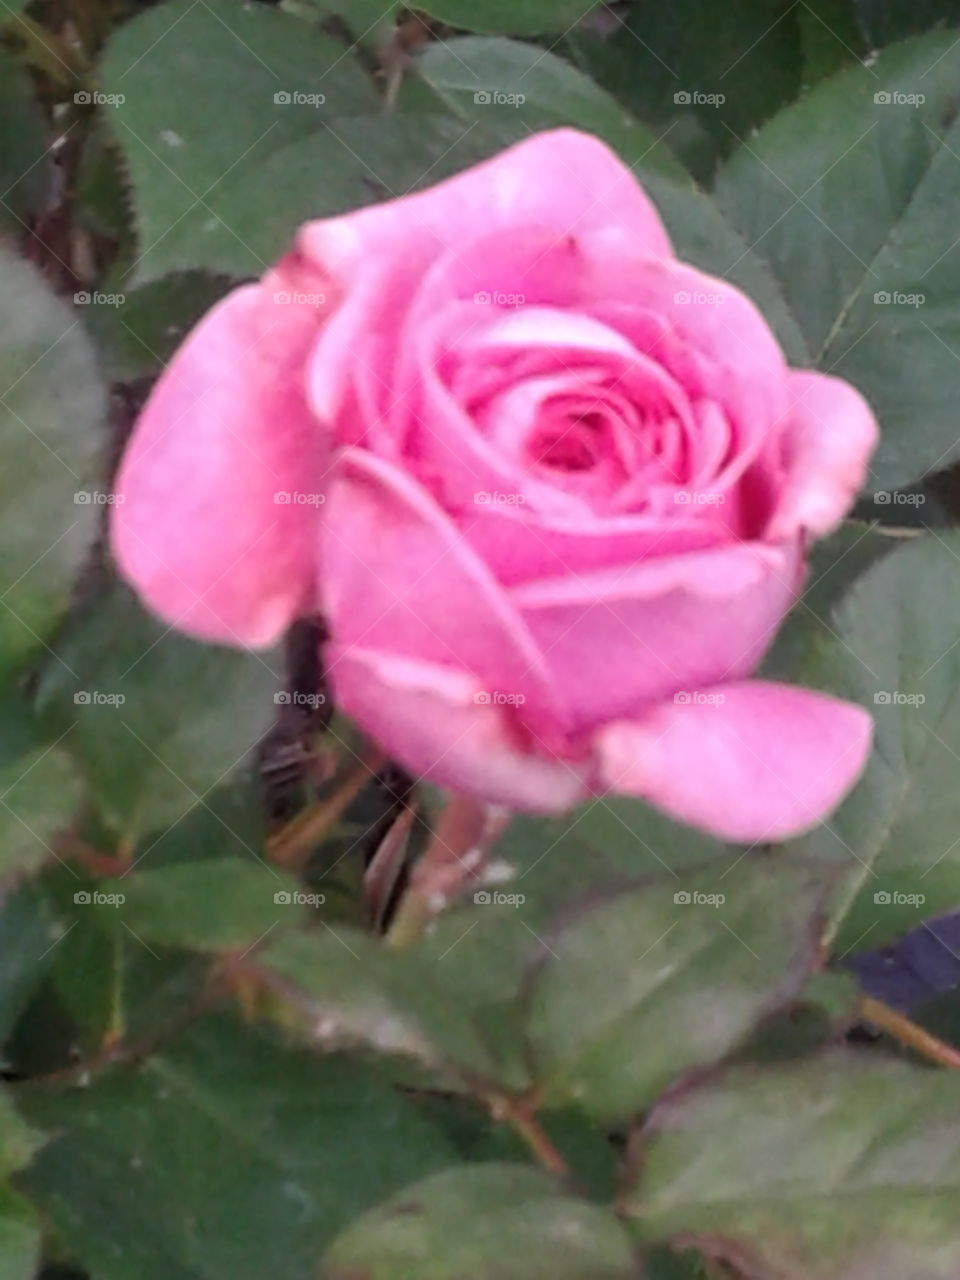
(617, 640)
(766, 763)
(197, 527)
(562, 182)
(398, 578)
(548, 328)
(704, 332)
(828, 440)
(456, 355)
(560, 179)
(434, 721)
(441, 338)
(521, 546)
(720, 390)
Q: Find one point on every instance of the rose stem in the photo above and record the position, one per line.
(292, 844)
(909, 1033)
(455, 852)
(524, 1121)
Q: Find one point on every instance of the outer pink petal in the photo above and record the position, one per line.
(428, 718)
(197, 528)
(617, 640)
(521, 546)
(562, 179)
(398, 578)
(766, 763)
(829, 439)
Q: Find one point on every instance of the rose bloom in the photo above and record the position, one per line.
(550, 487)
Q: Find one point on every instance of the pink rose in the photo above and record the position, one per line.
(550, 487)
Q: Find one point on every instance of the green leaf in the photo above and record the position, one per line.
(157, 720)
(708, 83)
(18, 1141)
(664, 1264)
(669, 976)
(25, 166)
(598, 847)
(230, 824)
(39, 791)
(583, 1144)
(206, 180)
(849, 199)
(19, 1237)
(540, 868)
(835, 1168)
(19, 1230)
(831, 35)
(362, 158)
(750, 60)
(892, 646)
(199, 118)
(30, 933)
(208, 906)
(887, 20)
(13, 8)
(507, 17)
(137, 338)
(116, 980)
(517, 89)
(88, 968)
(491, 1222)
(369, 21)
(225, 1157)
(835, 564)
(109, 981)
(52, 404)
(342, 987)
(102, 199)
